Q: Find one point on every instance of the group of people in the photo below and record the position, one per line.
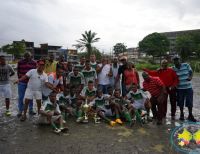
(110, 88)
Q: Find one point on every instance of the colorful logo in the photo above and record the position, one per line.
(186, 138)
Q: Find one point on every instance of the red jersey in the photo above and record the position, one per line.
(154, 86)
(130, 76)
(168, 76)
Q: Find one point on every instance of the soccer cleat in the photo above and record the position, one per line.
(79, 119)
(7, 113)
(112, 123)
(119, 121)
(57, 131)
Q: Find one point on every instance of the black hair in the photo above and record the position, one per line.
(90, 81)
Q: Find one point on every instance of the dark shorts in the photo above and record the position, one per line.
(104, 88)
(185, 97)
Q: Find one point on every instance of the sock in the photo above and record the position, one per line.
(117, 116)
(53, 126)
(107, 120)
(138, 115)
(79, 113)
(127, 116)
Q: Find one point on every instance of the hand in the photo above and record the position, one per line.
(16, 82)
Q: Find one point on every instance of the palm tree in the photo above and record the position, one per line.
(86, 42)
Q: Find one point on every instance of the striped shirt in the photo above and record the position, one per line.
(154, 86)
(24, 66)
(183, 73)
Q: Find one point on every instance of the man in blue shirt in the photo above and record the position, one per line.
(184, 88)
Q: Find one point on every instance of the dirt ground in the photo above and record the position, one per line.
(29, 137)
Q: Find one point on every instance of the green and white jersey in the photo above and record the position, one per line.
(49, 106)
(101, 101)
(119, 101)
(93, 65)
(67, 100)
(135, 96)
(80, 67)
(89, 75)
(75, 80)
(88, 93)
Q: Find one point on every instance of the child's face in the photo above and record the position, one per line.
(117, 93)
(134, 88)
(90, 86)
(99, 93)
(52, 98)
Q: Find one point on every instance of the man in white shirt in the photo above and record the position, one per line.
(37, 79)
(104, 73)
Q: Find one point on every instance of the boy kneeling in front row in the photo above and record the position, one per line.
(51, 114)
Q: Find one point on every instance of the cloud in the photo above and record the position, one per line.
(61, 22)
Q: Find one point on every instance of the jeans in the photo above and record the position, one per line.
(21, 92)
(104, 88)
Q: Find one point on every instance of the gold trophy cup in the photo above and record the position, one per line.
(85, 109)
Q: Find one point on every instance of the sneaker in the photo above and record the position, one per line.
(19, 115)
(79, 119)
(57, 131)
(119, 121)
(182, 117)
(7, 113)
(23, 118)
(64, 129)
(191, 118)
(112, 123)
(32, 112)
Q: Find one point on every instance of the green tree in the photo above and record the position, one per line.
(94, 51)
(119, 48)
(17, 49)
(196, 41)
(154, 44)
(88, 38)
(185, 45)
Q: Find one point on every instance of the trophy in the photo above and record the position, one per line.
(96, 119)
(85, 109)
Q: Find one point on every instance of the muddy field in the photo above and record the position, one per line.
(28, 137)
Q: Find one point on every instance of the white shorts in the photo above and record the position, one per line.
(139, 104)
(5, 91)
(29, 94)
(43, 119)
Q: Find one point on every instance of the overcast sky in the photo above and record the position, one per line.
(61, 22)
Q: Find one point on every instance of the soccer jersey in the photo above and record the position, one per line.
(93, 65)
(49, 106)
(119, 101)
(89, 75)
(75, 80)
(88, 93)
(138, 95)
(68, 100)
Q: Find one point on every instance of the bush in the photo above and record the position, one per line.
(140, 66)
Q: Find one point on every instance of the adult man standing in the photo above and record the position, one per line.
(104, 73)
(170, 80)
(115, 67)
(81, 64)
(50, 65)
(158, 93)
(5, 89)
(121, 71)
(184, 88)
(23, 67)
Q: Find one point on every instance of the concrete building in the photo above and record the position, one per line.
(173, 35)
(131, 53)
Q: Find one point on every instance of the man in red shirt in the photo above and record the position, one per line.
(158, 93)
(170, 80)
